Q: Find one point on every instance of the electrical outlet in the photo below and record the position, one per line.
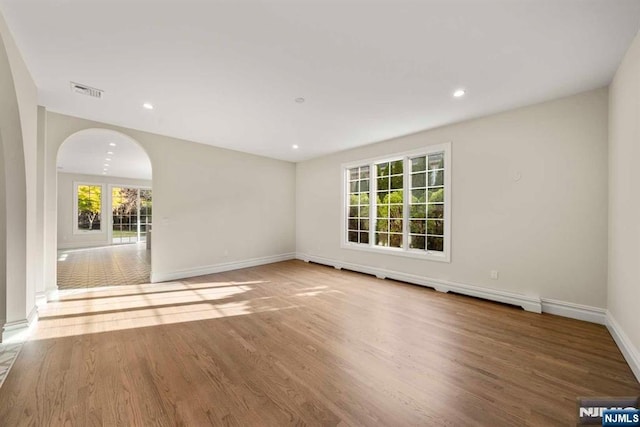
(494, 274)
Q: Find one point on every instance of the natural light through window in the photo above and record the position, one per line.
(400, 204)
(88, 207)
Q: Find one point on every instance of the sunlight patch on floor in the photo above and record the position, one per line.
(79, 312)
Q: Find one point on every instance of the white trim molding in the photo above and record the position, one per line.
(629, 351)
(18, 330)
(574, 311)
(53, 294)
(218, 268)
(529, 303)
(41, 298)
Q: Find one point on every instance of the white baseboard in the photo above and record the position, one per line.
(528, 303)
(52, 294)
(18, 330)
(33, 315)
(218, 268)
(41, 298)
(575, 311)
(629, 351)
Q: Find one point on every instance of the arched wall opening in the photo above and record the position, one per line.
(103, 182)
(17, 295)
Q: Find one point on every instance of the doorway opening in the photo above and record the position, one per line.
(105, 211)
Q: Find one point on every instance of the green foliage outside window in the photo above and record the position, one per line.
(89, 207)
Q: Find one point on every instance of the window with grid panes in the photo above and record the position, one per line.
(358, 208)
(389, 203)
(426, 209)
(400, 204)
(88, 207)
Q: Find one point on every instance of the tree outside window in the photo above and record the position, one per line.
(400, 204)
(89, 207)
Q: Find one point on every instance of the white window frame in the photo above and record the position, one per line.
(405, 251)
(103, 199)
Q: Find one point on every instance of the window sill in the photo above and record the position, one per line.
(81, 232)
(427, 256)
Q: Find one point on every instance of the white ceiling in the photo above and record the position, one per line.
(86, 152)
(226, 72)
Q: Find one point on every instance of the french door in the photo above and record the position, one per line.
(130, 214)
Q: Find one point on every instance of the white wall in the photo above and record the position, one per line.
(546, 233)
(3, 205)
(39, 264)
(213, 208)
(18, 124)
(27, 95)
(66, 219)
(624, 205)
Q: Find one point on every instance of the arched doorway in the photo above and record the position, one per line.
(104, 210)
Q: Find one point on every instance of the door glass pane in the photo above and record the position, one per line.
(145, 213)
(124, 210)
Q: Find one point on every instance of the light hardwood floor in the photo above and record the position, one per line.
(295, 343)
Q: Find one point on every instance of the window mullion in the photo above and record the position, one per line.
(373, 208)
(406, 192)
(347, 205)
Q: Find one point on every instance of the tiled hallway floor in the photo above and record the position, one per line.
(105, 266)
(8, 354)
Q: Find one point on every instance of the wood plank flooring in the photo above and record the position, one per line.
(301, 344)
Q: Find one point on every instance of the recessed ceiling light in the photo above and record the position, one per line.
(112, 144)
(104, 173)
(295, 146)
(459, 93)
(109, 152)
(148, 105)
(106, 165)
(299, 100)
(108, 159)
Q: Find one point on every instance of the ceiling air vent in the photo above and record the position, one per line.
(86, 90)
